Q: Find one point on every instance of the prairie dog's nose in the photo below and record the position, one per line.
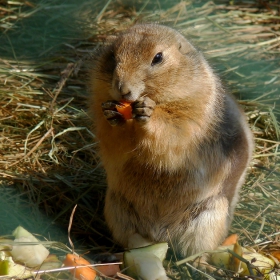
(124, 89)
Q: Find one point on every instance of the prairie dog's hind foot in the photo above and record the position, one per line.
(201, 265)
(143, 108)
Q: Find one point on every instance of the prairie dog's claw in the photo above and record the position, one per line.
(111, 114)
(143, 108)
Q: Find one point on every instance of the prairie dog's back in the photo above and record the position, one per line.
(177, 165)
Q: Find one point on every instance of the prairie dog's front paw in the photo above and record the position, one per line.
(111, 114)
(143, 108)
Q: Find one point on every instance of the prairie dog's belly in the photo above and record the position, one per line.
(161, 192)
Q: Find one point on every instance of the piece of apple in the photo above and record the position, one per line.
(11, 269)
(225, 259)
(29, 255)
(146, 262)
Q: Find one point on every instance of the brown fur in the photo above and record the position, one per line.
(176, 175)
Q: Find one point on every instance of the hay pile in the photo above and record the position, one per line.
(47, 155)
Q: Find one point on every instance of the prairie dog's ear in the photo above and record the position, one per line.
(184, 45)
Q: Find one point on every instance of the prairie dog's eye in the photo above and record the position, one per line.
(157, 59)
(112, 56)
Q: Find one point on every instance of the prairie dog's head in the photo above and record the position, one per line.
(148, 60)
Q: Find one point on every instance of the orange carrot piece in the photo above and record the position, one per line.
(235, 262)
(125, 109)
(276, 254)
(230, 240)
(80, 273)
(109, 270)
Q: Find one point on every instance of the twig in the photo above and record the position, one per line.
(69, 227)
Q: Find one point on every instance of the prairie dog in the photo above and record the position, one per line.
(174, 170)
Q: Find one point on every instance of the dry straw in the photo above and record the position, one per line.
(48, 151)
